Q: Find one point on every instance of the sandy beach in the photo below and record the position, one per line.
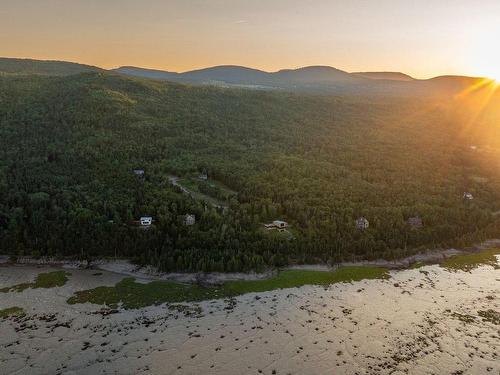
(420, 321)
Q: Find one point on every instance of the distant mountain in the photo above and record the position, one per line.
(393, 76)
(454, 80)
(44, 67)
(443, 85)
(231, 74)
(243, 76)
(312, 79)
(314, 74)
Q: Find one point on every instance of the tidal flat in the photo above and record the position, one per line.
(427, 320)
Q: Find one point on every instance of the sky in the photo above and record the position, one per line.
(423, 38)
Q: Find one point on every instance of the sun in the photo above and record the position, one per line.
(482, 55)
(493, 75)
(488, 66)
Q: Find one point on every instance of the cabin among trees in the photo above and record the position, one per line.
(362, 223)
(277, 224)
(203, 175)
(468, 196)
(189, 220)
(139, 173)
(146, 221)
(415, 222)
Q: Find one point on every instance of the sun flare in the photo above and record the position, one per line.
(483, 55)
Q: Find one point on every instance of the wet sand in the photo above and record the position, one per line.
(420, 321)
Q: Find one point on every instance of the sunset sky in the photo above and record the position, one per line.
(421, 38)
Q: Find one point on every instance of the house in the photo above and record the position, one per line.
(203, 175)
(280, 224)
(277, 224)
(139, 172)
(189, 219)
(414, 222)
(146, 221)
(468, 196)
(362, 223)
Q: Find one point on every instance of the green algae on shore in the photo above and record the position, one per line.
(136, 295)
(467, 262)
(9, 312)
(43, 280)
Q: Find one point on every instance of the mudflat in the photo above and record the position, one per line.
(429, 320)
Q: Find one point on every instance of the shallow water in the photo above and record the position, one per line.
(412, 323)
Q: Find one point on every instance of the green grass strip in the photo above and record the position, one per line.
(11, 312)
(43, 280)
(468, 262)
(136, 295)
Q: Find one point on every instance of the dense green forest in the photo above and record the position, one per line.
(69, 145)
(41, 67)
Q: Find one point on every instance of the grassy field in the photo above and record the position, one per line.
(135, 295)
(295, 278)
(191, 184)
(43, 280)
(11, 311)
(468, 262)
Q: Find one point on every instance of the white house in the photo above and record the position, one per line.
(139, 172)
(362, 223)
(146, 221)
(189, 219)
(277, 224)
(280, 224)
(468, 196)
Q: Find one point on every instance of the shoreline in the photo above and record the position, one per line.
(148, 273)
(430, 317)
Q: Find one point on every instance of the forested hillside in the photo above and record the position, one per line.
(41, 67)
(69, 145)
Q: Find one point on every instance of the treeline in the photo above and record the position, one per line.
(69, 145)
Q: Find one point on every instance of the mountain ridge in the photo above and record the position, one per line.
(397, 76)
(316, 79)
(13, 65)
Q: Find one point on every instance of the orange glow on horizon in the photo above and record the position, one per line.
(457, 38)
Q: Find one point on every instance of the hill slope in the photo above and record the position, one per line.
(393, 76)
(147, 73)
(54, 68)
(68, 147)
(313, 79)
(316, 80)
